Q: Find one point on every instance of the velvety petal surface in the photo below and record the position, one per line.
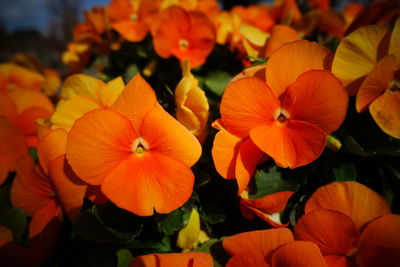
(298, 254)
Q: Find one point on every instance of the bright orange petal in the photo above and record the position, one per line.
(133, 31)
(51, 146)
(193, 259)
(301, 56)
(334, 232)
(22, 77)
(142, 184)
(245, 260)
(298, 254)
(30, 190)
(377, 81)
(291, 144)
(339, 261)
(279, 35)
(358, 53)
(167, 136)
(257, 245)
(52, 82)
(355, 200)
(224, 152)
(268, 207)
(246, 104)
(395, 41)
(385, 110)
(98, 142)
(317, 97)
(249, 155)
(137, 99)
(380, 242)
(70, 190)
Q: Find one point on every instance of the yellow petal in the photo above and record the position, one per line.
(254, 35)
(82, 84)
(111, 91)
(188, 236)
(358, 53)
(394, 47)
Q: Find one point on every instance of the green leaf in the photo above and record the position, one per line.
(124, 257)
(5, 195)
(89, 227)
(131, 71)
(15, 220)
(214, 247)
(121, 223)
(169, 223)
(271, 180)
(217, 81)
(344, 172)
(33, 153)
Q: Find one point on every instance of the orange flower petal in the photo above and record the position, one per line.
(382, 232)
(292, 144)
(21, 77)
(51, 146)
(6, 235)
(355, 200)
(194, 259)
(301, 56)
(3, 169)
(297, 254)
(12, 145)
(68, 111)
(120, 10)
(167, 136)
(30, 191)
(317, 97)
(152, 181)
(7, 108)
(249, 155)
(245, 260)
(339, 261)
(70, 190)
(395, 41)
(136, 101)
(246, 104)
(334, 232)
(25, 99)
(42, 217)
(133, 31)
(279, 35)
(385, 110)
(94, 194)
(358, 53)
(257, 245)
(224, 153)
(26, 120)
(268, 207)
(98, 142)
(377, 81)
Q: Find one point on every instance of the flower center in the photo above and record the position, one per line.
(133, 17)
(281, 115)
(183, 44)
(395, 84)
(139, 146)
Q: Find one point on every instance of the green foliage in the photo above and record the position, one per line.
(15, 220)
(124, 257)
(171, 222)
(214, 247)
(217, 81)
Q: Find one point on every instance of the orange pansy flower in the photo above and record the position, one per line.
(351, 224)
(183, 34)
(14, 76)
(268, 208)
(279, 35)
(137, 152)
(186, 259)
(273, 247)
(288, 116)
(128, 17)
(192, 105)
